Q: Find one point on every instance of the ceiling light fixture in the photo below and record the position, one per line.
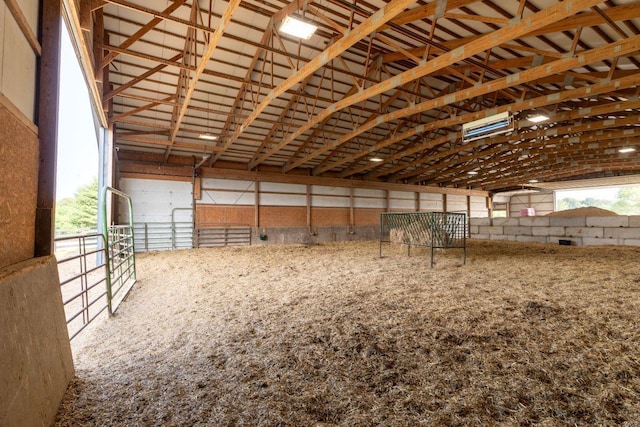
(533, 181)
(626, 150)
(297, 27)
(207, 136)
(375, 159)
(472, 172)
(537, 118)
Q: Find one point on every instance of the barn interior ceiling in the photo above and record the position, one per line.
(380, 91)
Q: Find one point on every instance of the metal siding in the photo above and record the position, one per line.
(154, 200)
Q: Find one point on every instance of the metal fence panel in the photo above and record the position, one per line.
(436, 230)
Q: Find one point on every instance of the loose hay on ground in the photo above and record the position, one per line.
(333, 335)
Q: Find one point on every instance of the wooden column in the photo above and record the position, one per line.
(444, 202)
(468, 215)
(47, 94)
(417, 195)
(256, 214)
(309, 207)
(351, 211)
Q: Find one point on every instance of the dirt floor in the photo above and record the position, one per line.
(334, 335)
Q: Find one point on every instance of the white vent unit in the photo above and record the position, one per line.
(489, 126)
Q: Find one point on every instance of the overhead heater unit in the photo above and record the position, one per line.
(489, 126)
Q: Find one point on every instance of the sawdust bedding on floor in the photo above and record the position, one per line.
(523, 334)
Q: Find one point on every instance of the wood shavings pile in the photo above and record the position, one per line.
(326, 335)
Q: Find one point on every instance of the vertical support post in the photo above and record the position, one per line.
(46, 117)
(256, 205)
(309, 209)
(256, 214)
(489, 207)
(98, 53)
(351, 212)
(468, 228)
(444, 202)
(464, 243)
(388, 202)
(417, 201)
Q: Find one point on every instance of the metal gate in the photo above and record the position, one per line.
(121, 260)
(222, 235)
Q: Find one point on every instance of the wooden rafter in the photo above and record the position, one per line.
(541, 19)
(525, 76)
(371, 24)
(543, 101)
(204, 59)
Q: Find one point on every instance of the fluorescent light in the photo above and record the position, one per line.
(537, 118)
(472, 172)
(207, 136)
(297, 28)
(375, 159)
(533, 181)
(626, 150)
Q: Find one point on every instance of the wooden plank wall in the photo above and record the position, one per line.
(233, 202)
(18, 185)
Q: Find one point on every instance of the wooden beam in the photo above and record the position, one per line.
(430, 9)
(542, 101)
(141, 108)
(544, 133)
(141, 32)
(588, 140)
(480, 44)
(369, 25)
(586, 19)
(162, 15)
(24, 26)
(476, 18)
(48, 88)
(624, 46)
(204, 59)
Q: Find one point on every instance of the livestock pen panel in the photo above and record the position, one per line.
(435, 230)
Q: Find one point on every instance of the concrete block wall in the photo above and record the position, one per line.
(581, 231)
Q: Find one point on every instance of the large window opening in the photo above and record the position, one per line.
(77, 163)
(623, 200)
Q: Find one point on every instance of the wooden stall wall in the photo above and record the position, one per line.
(35, 355)
(310, 209)
(18, 185)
